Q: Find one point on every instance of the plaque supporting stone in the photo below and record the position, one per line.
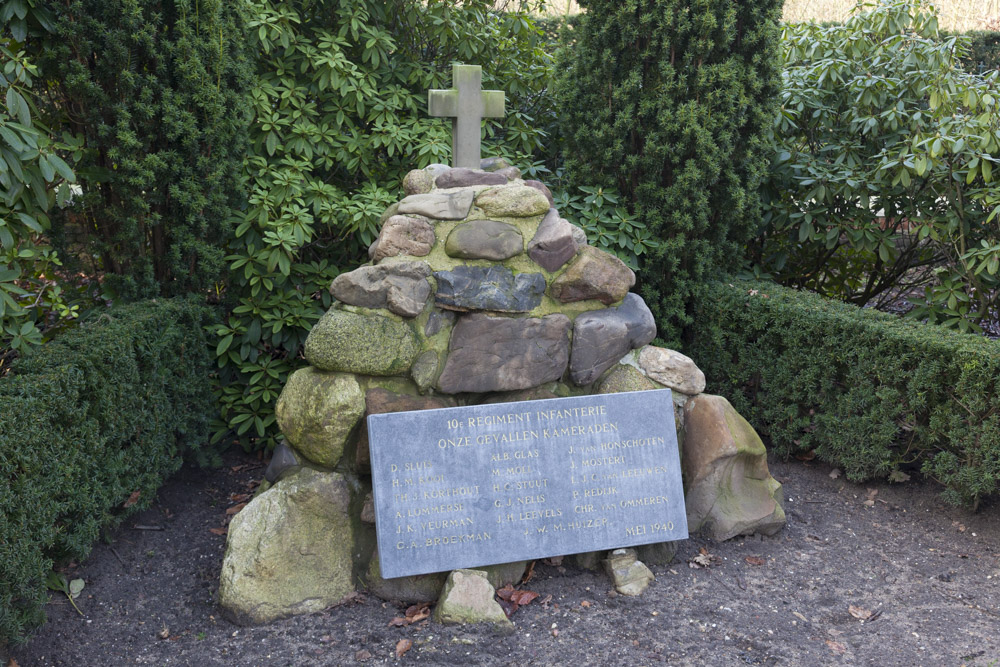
(495, 483)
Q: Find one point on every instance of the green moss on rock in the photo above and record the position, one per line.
(366, 342)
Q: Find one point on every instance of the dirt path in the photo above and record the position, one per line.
(926, 575)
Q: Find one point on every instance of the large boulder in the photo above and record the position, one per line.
(729, 490)
(317, 410)
(593, 274)
(289, 551)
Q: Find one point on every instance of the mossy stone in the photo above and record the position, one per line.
(369, 343)
(317, 410)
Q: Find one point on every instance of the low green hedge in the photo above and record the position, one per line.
(876, 395)
(105, 410)
(985, 55)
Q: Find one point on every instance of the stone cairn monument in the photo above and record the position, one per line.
(477, 292)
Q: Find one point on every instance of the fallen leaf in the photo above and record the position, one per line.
(584, 604)
(218, 531)
(234, 509)
(506, 592)
(164, 633)
(76, 587)
(755, 560)
(835, 473)
(836, 647)
(12, 663)
(834, 632)
(418, 612)
(546, 600)
(872, 493)
(529, 573)
(508, 607)
(402, 646)
(555, 561)
(239, 497)
(362, 655)
(859, 613)
(703, 559)
(522, 598)
(132, 499)
(800, 616)
(806, 456)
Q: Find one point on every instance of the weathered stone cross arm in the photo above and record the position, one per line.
(466, 103)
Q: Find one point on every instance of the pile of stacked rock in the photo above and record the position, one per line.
(477, 291)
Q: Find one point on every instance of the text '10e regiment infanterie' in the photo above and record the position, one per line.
(497, 483)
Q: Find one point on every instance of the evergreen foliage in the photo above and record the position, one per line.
(340, 116)
(157, 91)
(106, 410)
(877, 395)
(669, 102)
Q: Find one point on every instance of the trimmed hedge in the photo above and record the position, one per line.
(867, 391)
(106, 410)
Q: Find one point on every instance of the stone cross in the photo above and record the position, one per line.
(466, 103)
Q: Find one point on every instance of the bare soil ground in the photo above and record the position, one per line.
(875, 574)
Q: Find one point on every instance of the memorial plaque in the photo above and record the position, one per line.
(503, 482)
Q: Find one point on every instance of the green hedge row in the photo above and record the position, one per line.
(103, 411)
(877, 395)
(985, 55)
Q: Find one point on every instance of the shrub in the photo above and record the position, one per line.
(984, 51)
(874, 394)
(340, 117)
(669, 102)
(884, 166)
(33, 178)
(157, 94)
(105, 411)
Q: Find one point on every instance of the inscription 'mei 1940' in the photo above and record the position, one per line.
(485, 484)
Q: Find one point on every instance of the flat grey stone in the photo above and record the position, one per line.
(403, 235)
(436, 169)
(402, 287)
(439, 205)
(503, 354)
(541, 187)
(493, 288)
(484, 239)
(553, 244)
(594, 274)
(602, 337)
(460, 178)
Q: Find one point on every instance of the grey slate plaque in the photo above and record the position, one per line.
(485, 484)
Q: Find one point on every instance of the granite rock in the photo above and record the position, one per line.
(511, 173)
(504, 354)
(460, 177)
(553, 244)
(579, 235)
(602, 337)
(316, 412)
(403, 235)
(493, 288)
(729, 490)
(512, 201)
(672, 369)
(365, 343)
(418, 182)
(400, 287)
(468, 597)
(289, 551)
(493, 163)
(625, 378)
(439, 205)
(630, 576)
(484, 239)
(594, 274)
